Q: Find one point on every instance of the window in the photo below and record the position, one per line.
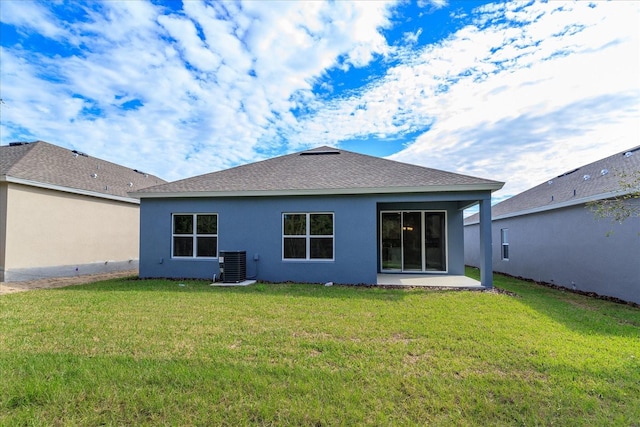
(504, 239)
(307, 236)
(195, 236)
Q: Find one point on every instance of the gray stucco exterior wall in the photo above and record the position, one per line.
(254, 225)
(567, 247)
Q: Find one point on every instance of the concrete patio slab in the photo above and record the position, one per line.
(425, 280)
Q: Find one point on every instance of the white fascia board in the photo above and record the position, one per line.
(320, 192)
(561, 205)
(47, 186)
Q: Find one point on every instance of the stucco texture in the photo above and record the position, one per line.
(254, 225)
(568, 247)
(46, 228)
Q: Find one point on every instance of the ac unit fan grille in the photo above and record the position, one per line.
(235, 266)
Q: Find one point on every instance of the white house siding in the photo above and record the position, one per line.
(53, 233)
(567, 247)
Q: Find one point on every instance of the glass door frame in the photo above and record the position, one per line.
(423, 213)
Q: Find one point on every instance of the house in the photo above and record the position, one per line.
(548, 234)
(64, 213)
(319, 215)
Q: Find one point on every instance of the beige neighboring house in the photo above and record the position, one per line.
(64, 213)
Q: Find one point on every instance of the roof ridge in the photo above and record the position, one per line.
(61, 168)
(340, 172)
(633, 150)
(593, 182)
(415, 165)
(99, 159)
(29, 147)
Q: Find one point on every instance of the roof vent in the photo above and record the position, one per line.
(631, 152)
(568, 173)
(94, 175)
(141, 173)
(603, 172)
(550, 182)
(130, 184)
(586, 177)
(320, 152)
(79, 153)
(17, 144)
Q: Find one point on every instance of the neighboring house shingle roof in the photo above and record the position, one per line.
(595, 181)
(46, 165)
(320, 170)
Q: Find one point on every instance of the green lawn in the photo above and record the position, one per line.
(128, 352)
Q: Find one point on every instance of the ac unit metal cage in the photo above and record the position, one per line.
(233, 266)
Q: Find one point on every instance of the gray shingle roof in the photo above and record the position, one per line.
(50, 165)
(594, 181)
(323, 169)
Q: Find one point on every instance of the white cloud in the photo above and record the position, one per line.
(195, 51)
(509, 103)
(549, 87)
(212, 82)
(544, 112)
(435, 3)
(412, 38)
(29, 16)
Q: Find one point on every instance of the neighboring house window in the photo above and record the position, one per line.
(307, 236)
(195, 236)
(504, 239)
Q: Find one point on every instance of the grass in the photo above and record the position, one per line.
(128, 352)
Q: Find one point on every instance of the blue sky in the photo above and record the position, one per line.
(517, 91)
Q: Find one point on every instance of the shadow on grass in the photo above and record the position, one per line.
(265, 289)
(581, 313)
(577, 312)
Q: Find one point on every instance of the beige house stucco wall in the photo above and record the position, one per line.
(3, 226)
(46, 228)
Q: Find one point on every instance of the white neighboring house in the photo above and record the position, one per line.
(548, 234)
(64, 213)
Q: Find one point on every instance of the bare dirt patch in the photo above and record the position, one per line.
(60, 282)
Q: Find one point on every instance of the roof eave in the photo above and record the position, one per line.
(47, 186)
(493, 186)
(565, 204)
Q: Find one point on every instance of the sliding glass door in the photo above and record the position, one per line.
(435, 232)
(391, 235)
(413, 241)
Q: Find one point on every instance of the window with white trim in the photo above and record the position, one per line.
(194, 235)
(307, 236)
(504, 240)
